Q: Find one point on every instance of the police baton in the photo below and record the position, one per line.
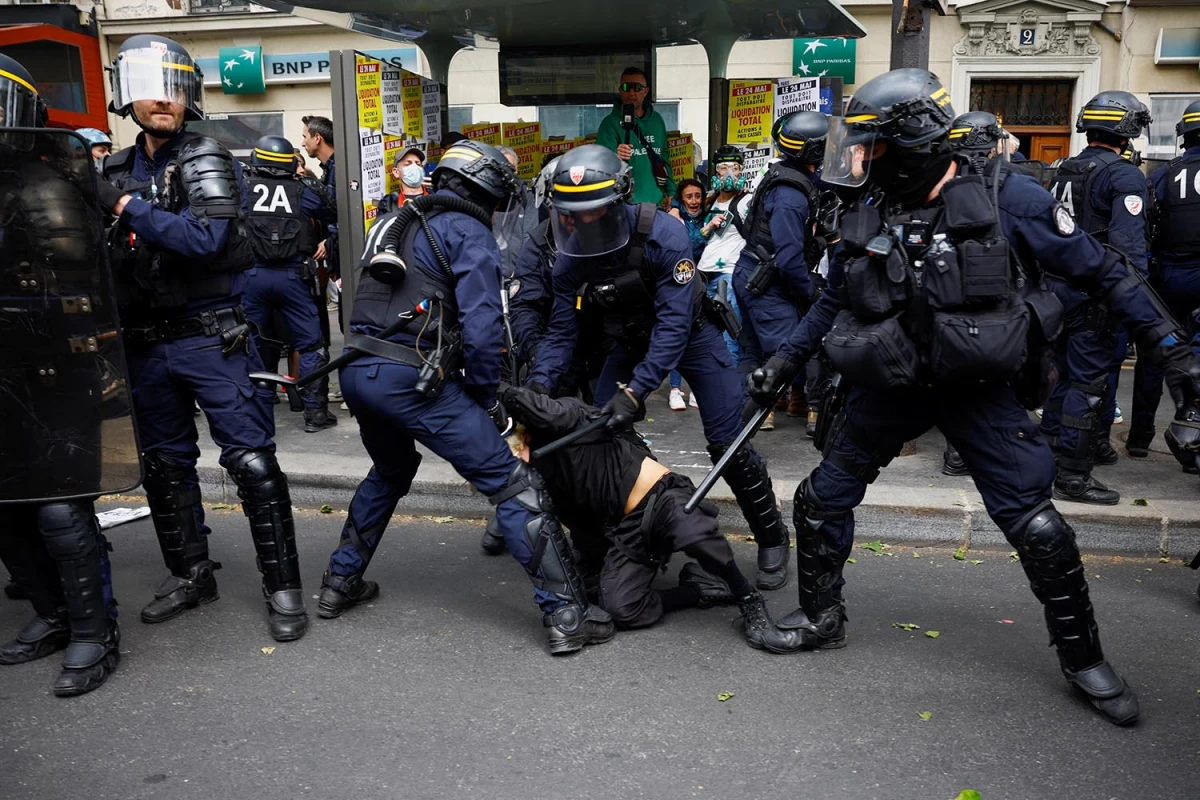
(572, 437)
(747, 432)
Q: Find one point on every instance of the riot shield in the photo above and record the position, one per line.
(66, 419)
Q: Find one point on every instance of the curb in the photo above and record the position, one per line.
(947, 517)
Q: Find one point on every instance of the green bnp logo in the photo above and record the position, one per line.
(242, 70)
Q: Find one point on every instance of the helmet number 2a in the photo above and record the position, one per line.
(278, 200)
(1062, 193)
(1182, 180)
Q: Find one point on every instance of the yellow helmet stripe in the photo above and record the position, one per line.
(461, 152)
(791, 142)
(1193, 117)
(160, 63)
(267, 155)
(862, 118)
(1103, 114)
(938, 93)
(17, 79)
(587, 187)
(956, 132)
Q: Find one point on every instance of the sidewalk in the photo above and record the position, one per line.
(911, 500)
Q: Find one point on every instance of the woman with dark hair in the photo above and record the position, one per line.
(689, 208)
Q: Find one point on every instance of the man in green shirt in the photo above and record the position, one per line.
(644, 144)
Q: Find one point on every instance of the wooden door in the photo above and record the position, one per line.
(1046, 143)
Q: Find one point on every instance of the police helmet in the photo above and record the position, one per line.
(1114, 112)
(726, 180)
(1189, 124)
(274, 154)
(485, 172)
(541, 184)
(800, 136)
(895, 126)
(590, 187)
(976, 133)
(20, 105)
(94, 137)
(151, 67)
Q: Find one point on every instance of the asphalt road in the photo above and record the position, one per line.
(442, 689)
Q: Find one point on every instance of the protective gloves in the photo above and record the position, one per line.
(765, 383)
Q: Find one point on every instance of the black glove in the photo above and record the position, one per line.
(107, 194)
(765, 383)
(538, 386)
(500, 418)
(623, 409)
(1182, 370)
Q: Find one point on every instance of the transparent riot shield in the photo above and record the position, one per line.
(66, 422)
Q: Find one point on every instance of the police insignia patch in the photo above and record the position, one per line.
(684, 271)
(1063, 220)
(1133, 204)
(577, 174)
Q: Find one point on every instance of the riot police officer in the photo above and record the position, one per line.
(1176, 274)
(436, 260)
(180, 256)
(938, 317)
(282, 226)
(772, 278)
(66, 435)
(1107, 196)
(632, 266)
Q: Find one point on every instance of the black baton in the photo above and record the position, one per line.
(715, 473)
(571, 437)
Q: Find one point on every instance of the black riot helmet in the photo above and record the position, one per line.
(274, 154)
(151, 67)
(800, 136)
(477, 172)
(976, 133)
(20, 105)
(895, 136)
(591, 185)
(543, 182)
(1189, 125)
(1115, 112)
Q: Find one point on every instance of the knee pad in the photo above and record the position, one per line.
(1044, 535)
(166, 481)
(809, 511)
(258, 476)
(69, 530)
(1183, 439)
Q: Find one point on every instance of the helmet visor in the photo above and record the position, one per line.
(849, 149)
(18, 102)
(507, 221)
(592, 232)
(151, 74)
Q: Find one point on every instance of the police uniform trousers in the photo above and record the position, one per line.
(767, 319)
(1179, 287)
(392, 416)
(643, 541)
(1011, 465)
(168, 379)
(281, 288)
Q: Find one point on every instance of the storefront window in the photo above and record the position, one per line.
(239, 132)
(575, 121)
(1167, 109)
(461, 116)
(56, 69)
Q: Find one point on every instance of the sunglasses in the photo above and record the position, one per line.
(632, 87)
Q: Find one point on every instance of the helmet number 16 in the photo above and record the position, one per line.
(1182, 180)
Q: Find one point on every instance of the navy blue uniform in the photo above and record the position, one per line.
(278, 285)
(1114, 211)
(767, 318)
(1011, 465)
(1176, 279)
(393, 416)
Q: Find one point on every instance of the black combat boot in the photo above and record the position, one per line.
(178, 593)
(1051, 561)
(747, 477)
(1137, 443)
(952, 463)
(35, 575)
(340, 593)
(1106, 456)
(573, 626)
(492, 541)
(821, 615)
(87, 664)
(762, 633)
(712, 590)
(41, 636)
(1082, 487)
(318, 419)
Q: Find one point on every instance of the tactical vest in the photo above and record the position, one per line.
(1072, 186)
(278, 228)
(1179, 212)
(624, 295)
(937, 296)
(377, 304)
(758, 222)
(150, 277)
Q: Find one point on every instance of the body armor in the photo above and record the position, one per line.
(150, 277)
(1179, 213)
(1072, 186)
(758, 223)
(278, 228)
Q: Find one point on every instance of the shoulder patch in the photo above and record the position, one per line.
(1063, 220)
(1133, 204)
(684, 271)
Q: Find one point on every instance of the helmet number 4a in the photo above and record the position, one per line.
(1182, 180)
(1062, 193)
(278, 200)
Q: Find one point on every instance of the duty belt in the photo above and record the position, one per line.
(392, 351)
(207, 323)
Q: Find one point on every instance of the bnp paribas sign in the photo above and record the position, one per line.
(241, 70)
(824, 58)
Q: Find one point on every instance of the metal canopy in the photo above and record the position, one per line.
(564, 22)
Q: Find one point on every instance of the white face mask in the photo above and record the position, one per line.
(412, 175)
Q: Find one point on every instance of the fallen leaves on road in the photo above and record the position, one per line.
(906, 626)
(960, 555)
(1164, 560)
(440, 520)
(968, 794)
(266, 651)
(1014, 555)
(974, 562)
(221, 506)
(933, 634)
(326, 508)
(723, 696)
(851, 560)
(925, 715)
(1139, 501)
(877, 547)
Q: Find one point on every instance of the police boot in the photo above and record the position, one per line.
(87, 664)
(1051, 561)
(1082, 487)
(340, 593)
(821, 615)
(712, 590)
(1106, 456)
(492, 541)
(1137, 443)
(41, 636)
(952, 463)
(318, 419)
(179, 592)
(263, 489)
(574, 626)
(747, 477)
(762, 633)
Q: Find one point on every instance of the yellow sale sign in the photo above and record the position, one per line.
(751, 105)
(369, 91)
(411, 101)
(486, 132)
(526, 139)
(679, 154)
